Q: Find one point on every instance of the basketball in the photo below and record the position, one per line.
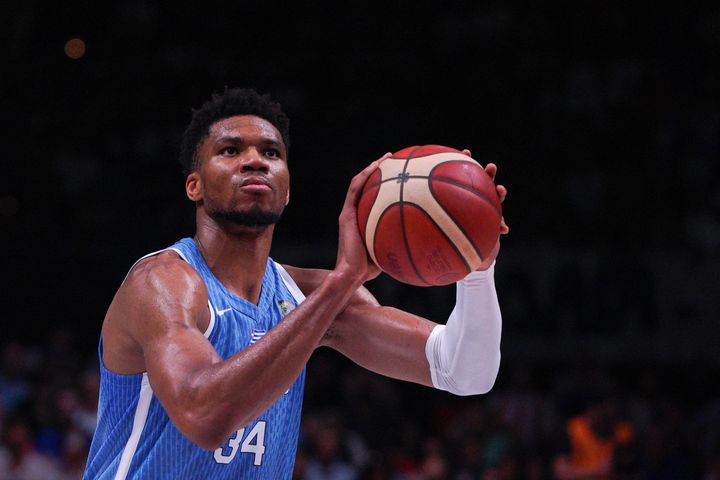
(429, 215)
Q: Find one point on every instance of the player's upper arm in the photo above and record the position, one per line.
(165, 304)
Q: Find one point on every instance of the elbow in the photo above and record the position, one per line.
(478, 386)
(478, 382)
(201, 432)
(209, 441)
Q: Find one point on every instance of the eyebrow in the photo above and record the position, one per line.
(238, 139)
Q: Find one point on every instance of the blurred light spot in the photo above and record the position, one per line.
(9, 206)
(75, 48)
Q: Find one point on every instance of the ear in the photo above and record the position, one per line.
(193, 187)
(287, 197)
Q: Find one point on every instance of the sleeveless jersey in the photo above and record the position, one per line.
(135, 439)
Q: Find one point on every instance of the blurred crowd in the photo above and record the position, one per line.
(603, 119)
(541, 421)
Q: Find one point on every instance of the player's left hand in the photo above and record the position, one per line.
(491, 169)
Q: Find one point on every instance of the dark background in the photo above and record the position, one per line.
(604, 121)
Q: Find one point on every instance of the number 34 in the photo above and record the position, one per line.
(253, 443)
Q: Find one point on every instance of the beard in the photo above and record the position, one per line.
(253, 217)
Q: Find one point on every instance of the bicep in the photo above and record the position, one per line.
(166, 302)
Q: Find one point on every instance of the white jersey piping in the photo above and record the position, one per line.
(290, 284)
(141, 413)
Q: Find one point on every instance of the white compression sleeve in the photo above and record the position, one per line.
(464, 354)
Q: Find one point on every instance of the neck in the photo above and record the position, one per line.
(236, 255)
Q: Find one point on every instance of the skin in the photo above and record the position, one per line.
(156, 321)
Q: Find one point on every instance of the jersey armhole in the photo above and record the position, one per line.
(211, 323)
(290, 284)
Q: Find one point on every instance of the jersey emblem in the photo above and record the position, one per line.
(256, 335)
(286, 306)
(222, 312)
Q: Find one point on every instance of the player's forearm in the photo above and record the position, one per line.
(464, 354)
(384, 340)
(231, 393)
(462, 357)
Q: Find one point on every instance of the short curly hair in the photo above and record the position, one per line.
(231, 102)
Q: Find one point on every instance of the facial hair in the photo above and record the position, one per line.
(253, 217)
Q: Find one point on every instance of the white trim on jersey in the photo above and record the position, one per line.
(141, 413)
(290, 284)
(210, 326)
(144, 257)
(146, 392)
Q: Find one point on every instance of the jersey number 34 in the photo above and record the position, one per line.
(253, 443)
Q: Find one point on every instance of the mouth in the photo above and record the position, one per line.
(255, 184)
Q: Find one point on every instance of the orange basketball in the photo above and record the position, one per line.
(429, 215)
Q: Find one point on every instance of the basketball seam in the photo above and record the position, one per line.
(375, 249)
(366, 189)
(444, 180)
(458, 225)
(460, 185)
(379, 219)
(390, 179)
(402, 219)
(449, 240)
(452, 182)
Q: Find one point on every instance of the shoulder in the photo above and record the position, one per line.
(160, 291)
(164, 267)
(164, 284)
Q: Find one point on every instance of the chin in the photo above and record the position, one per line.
(256, 218)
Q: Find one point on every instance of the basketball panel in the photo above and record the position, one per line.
(391, 255)
(469, 175)
(422, 151)
(365, 204)
(434, 256)
(477, 218)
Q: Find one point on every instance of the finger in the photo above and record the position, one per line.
(491, 170)
(384, 157)
(467, 152)
(504, 229)
(358, 182)
(502, 192)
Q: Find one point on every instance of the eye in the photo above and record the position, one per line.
(273, 153)
(229, 151)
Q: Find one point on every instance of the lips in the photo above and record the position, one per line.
(255, 184)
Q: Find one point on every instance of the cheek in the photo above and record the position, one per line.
(284, 180)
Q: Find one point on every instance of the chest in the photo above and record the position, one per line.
(235, 327)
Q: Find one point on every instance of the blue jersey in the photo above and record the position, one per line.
(135, 439)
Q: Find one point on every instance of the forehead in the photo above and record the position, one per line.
(243, 126)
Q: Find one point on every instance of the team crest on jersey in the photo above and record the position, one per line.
(286, 306)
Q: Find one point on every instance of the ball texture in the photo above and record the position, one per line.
(429, 215)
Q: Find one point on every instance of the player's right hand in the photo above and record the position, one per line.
(352, 256)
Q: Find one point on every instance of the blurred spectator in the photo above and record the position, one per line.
(434, 465)
(327, 462)
(19, 459)
(14, 387)
(599, 442)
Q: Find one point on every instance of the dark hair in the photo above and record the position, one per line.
(233, 101)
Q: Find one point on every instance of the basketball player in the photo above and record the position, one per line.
(203, 349)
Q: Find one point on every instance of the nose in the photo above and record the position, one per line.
(253, 161)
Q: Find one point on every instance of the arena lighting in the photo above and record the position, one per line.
(75, 48)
